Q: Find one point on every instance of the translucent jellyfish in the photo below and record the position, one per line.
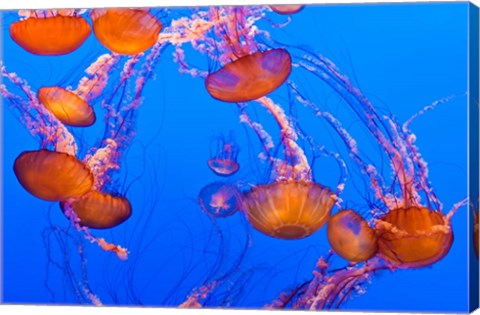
(100, 210)
(224, 161)
(351, 237)
(68, 107)
(287, 9)
(219, 199)
(50, 33)
(250, 77)
(125, 31)
(289, 209)
(413, 237)
(52, 176)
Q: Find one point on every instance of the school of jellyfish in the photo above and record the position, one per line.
(272, 189)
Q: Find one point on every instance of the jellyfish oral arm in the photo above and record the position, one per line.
(121, 252)
(300, 168)
(91, 86)
(38, 120)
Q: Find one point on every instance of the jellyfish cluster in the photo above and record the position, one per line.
(274, 186)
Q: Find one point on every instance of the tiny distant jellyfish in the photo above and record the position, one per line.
(224, 162)
(220, 200)
(125, 31)
(67, 107)
(50, 33)
(100, 210)
(351, 237)
(52, 176)
(250, 77)
(287, 8)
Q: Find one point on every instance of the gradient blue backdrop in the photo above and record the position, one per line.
(403, 57)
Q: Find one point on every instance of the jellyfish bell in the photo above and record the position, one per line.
(52, 176)
(224, 161)
(223, 167)
(288, 209)
(250, 77)
(287, 8)
(413, 237)
(220, 199)
(51, 35)
(351, 237)
(100, 210)
(68, 107)
(125, 31)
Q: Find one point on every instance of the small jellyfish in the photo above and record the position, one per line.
(351, 237)
(224, 161)
(289, 209)
(51, 35)
(287, 8)
(68, 107)
(125, 31)
(99, 210)
(413, 237)
(52, 176)
(250, 77)
(219, 199)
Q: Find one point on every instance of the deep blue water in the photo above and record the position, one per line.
(403, 57)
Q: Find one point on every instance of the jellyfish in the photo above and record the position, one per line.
(351, 237)
(69, 108)
(289, 209)
(52, 176)
(287, 9)
(413, 237)
(50, 33)
(227, 35)
(224, 162)
(250, 77)
(125, 31)
(99, 210)
(219, 199)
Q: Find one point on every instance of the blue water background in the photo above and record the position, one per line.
(403, 57)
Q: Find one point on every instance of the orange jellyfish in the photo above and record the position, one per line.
(68, 107)
(125, 31)
(287, 8)
(413, 237)
(250, 77)
(50, 35)
(351, 237)
(100, 211)
(52, 176)
(224, 162)
(289, 209)
(219, 199)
